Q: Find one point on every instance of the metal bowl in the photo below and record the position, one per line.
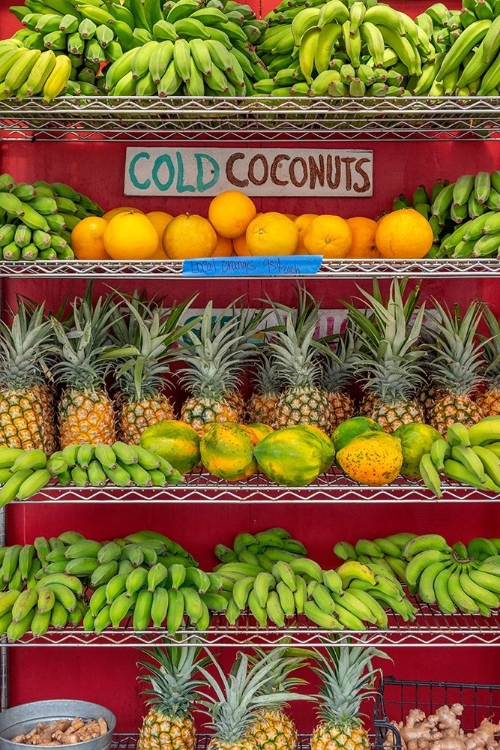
(21, 719)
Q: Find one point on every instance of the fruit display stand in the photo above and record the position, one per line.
(413, 141)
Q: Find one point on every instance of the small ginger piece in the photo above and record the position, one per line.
(483, 736)
(75, 725)
(448, 717)
(449, 743)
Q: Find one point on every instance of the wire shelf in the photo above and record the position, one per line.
(431, 628)
(201, 487)
(334, 269)
(247, 118)
(129, 741)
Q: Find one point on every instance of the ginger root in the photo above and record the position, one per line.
(63, 732)
(441, 730)
(483, 737)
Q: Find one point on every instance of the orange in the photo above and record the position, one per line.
(301, 222)
(404, 234)
(223, 248)
(86, 239)
(189, 236)
(240, 245)
(120, 210)
(329, 236)
(363, 238)
(272, 234)
(159, 219)
(231, 212)
(291, 216)
(130, 236)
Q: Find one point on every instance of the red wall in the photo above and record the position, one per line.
(109, 675)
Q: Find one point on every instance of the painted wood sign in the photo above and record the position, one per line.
(261, 172)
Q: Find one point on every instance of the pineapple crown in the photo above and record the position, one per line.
(294, 349)
(24, 346)
(144, 338)
(171, 675)
(283, 661)
(216, 355)
(391, 354)
(492, 348)
(266, 378)
(458, 359)
(239, 697)
(338, 369)
(347, 678)
(82, 339)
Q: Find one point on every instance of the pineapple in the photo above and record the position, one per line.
(347, 678)
(168, 724)
(390, 360)
(273, 725)
(295, 354)
(262, 403)
(337, 372)
(215, 357)
(428, 393)
(26, 399)
(85, 412)
(456, 368)
(489, 401)
(236, 709)
(369, 402)
(144, 339)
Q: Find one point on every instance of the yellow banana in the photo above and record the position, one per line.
(307, 52)
(57, 79)
(326, 45)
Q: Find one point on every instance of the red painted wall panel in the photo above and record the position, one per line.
(109, 675)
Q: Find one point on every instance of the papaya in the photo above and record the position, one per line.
(416, 439)
(293, 456)
(372, 458)
(174, 441)
(328, 450)
(227, 451)
(351, 428)
(259, 431)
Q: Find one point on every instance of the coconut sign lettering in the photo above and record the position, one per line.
(256, 171)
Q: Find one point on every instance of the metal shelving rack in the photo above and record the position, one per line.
(253, 120)
(430, 628)
(329, 489)
(334, 269)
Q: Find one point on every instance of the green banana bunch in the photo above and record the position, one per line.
(27, 472)
(263, 548)
(323, 37)
(129, 41)
(120, 464)
(24, 473)
(467, 456)
(36, 215)
(462, 214)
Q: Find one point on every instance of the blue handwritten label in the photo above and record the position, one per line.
(292, 265)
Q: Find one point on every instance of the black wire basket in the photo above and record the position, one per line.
(395, 699)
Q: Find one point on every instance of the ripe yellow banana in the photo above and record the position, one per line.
(307, 52)
(57, 79)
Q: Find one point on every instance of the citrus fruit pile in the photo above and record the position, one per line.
(234, 227)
